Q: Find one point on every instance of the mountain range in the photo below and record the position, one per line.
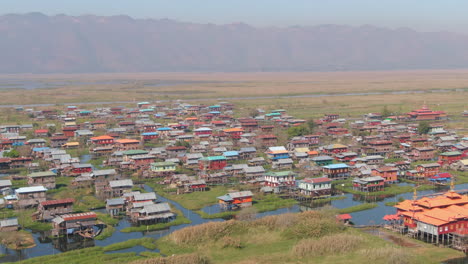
(36, 43)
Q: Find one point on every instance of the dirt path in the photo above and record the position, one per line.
(396, 239)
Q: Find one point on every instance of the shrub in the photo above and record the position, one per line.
(204, 232)
(313, 224)
(232, 242)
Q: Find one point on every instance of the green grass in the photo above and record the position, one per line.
(107, 232)
(107, 219)
(388, 190)
(109, 222)
(78, 152)
(262, 203)
(63, 180)
(357, 208)
(25, 220)
(8, 213)
(194, 200)
(158, 226)
(84, 198)
(391, 203)
(147, 242)
(460, 176)
(19, 183)
(150, 254)
(326, 200)
(93, 255)
(272, 202)
(97, 162)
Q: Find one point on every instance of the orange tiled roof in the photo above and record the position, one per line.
(104, 137)
(127, 141)
(236, 129)
(450, 198)
(406, 205)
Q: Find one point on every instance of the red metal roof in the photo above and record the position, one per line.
(41, 131)
(176, 148)
(344, 216)
(80, 216)
(61, 201)
(59, 138)
(267, 136)
(318, 180)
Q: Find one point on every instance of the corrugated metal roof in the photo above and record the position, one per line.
(145, 196)
(42, 174)
(5, 183)
(9, 222)
(336, 166)
(156, 208)
(115, 201)
(240, 194)
(121, 183)
(31, 189)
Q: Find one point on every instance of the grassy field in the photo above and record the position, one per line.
(198, 200)
(309, 237)
(194, 200)
(83, 88)
(440, 90)
(388, 190)
(261, 203)
(357, 208)
(84, 198)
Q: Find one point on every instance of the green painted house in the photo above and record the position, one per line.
(163, 166)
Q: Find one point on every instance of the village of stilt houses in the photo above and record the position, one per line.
(77, 177)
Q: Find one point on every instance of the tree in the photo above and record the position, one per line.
(423, 127)
(11, 154)
(23, 151)
(386, 112)
(52, 130)
(254, 112)
(183, 143)
(298, 131)
(311, 125)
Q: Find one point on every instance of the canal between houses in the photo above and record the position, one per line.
(47, 246)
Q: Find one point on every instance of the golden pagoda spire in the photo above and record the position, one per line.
(452, 184)
(415, 194)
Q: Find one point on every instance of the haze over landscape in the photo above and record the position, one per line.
(234, 132)
(37, 43)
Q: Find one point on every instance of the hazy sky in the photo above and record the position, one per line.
(425, 15)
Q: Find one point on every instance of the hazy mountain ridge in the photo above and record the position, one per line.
(47, 44)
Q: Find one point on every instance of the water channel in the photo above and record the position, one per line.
(46, 246)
